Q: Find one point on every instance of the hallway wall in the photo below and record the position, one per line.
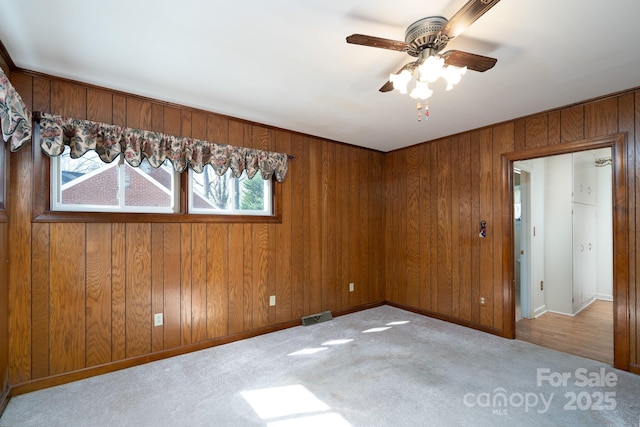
(558, 230)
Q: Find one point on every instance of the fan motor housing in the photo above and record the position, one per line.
(423, 34)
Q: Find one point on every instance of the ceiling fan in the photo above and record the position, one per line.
(424, 39)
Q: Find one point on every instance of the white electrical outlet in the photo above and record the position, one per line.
(351, 287)
(272, 300)
(157, 319)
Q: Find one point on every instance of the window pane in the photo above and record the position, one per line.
(147, 186)
(210, 191)
(89, 184)
(226, 195)
(87, 180)
(252, 193)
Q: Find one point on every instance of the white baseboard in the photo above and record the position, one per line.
(561, 312)
(584, 305)
(543, 308)
(540, 311)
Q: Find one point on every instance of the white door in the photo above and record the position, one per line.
(584, 254)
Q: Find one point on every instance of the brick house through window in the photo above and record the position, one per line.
(143, 186)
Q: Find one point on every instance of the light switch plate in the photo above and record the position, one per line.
(157, 319)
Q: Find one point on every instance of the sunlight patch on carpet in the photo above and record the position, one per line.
(292, 405)
(380, 329)
(399, 322)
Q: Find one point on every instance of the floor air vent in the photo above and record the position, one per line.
(312, 319)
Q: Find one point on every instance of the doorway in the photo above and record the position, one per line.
(617, 144)
(563, 252)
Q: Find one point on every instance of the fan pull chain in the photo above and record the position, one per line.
(422, 113)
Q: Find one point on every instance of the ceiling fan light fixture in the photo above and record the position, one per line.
(421, 91)
(401, 80)
(425, 39)
(431, 68)
(453, 75)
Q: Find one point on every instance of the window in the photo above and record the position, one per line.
(88, 189)
(87, 184)
(213, 194)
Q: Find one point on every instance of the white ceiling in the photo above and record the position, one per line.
(285, 63)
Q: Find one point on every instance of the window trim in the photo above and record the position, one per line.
(204, 211)
(120, 166)
(41, 202)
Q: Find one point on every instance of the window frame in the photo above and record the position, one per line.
(204, 211)
(41, 202)
(120, 166)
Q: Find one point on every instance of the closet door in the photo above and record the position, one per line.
(584, 254)
(584, 179)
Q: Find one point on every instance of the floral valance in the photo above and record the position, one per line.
(15, 117)
(109, 141)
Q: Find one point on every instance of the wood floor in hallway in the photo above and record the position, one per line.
(588, 334)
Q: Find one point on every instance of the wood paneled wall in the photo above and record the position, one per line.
(3, 63)
(438, 192)
(83, 294)
(403, 226)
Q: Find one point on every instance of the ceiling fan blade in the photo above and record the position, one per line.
(466, 16)
(388, 86)
(372, 41)
(474, 62)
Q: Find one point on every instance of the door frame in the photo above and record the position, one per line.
(618, 144)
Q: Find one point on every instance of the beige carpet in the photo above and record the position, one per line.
(379, 367)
